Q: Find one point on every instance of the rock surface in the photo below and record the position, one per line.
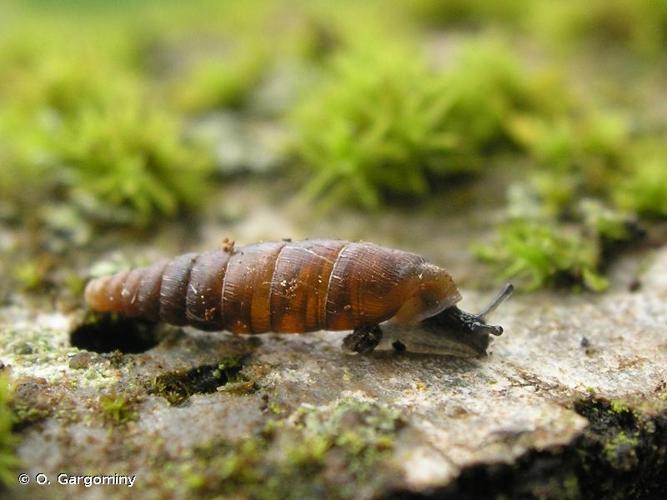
(293, 416)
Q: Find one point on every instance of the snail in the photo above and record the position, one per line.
(388, 298)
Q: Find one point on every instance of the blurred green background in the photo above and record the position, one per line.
(119, 117)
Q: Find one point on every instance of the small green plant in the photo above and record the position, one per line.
(605, 223)
(312, 446)
(8, 441)
(31, 274)
(65, 86)
(543, 254)
(364, 445)
(122, 163)
(381, 114)
(80, 125)
(226, 82)
(577, 154)
(117, 408)
(644, 188)
(24, 175)
(385, 124)
(636, 25)
(130, 161)
(469, 12)
(579, 161)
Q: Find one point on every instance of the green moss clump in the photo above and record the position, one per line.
(369, 150)
(619, 451)
(27, 415)
(118, 408)
(124, 164)
(583, 170)
(31, 275)
(544, 254)
(644, 188)
(486, 88)
(607, 224)
(302, 455)
(618, 434)
(79, 126)
(393, 125)
(52, 81)
(469, 12)
(618, 406)
(221, 83)
(638, 26)
(363, 432)
(578, 154)
(8, 460)
(131, 160)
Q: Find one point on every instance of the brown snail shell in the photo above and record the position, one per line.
(286, 287)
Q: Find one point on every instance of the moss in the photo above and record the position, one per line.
(8, 441)
(74, 284)
(394, 125)
(31, 275)
(315, 449)
(275, 408)
(126, 164)
(86, 124)
(618, 406)
(620, 451)
(222, 82)
(53, 82)
(606, 223)
(131, 162)
(564, 227)
(579, 152)
(587, 176)
(571, 487)
(620, 24)
(25, 416)
(239, 388)
(541, 254)
(644, 188)
(118, 408)
(469, 13)
(79, 125)
(366, 150)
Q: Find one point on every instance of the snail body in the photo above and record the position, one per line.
(287, 287)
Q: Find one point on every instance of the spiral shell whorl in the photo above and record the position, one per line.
(287, 287)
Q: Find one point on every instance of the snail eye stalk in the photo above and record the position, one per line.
(502, 296)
